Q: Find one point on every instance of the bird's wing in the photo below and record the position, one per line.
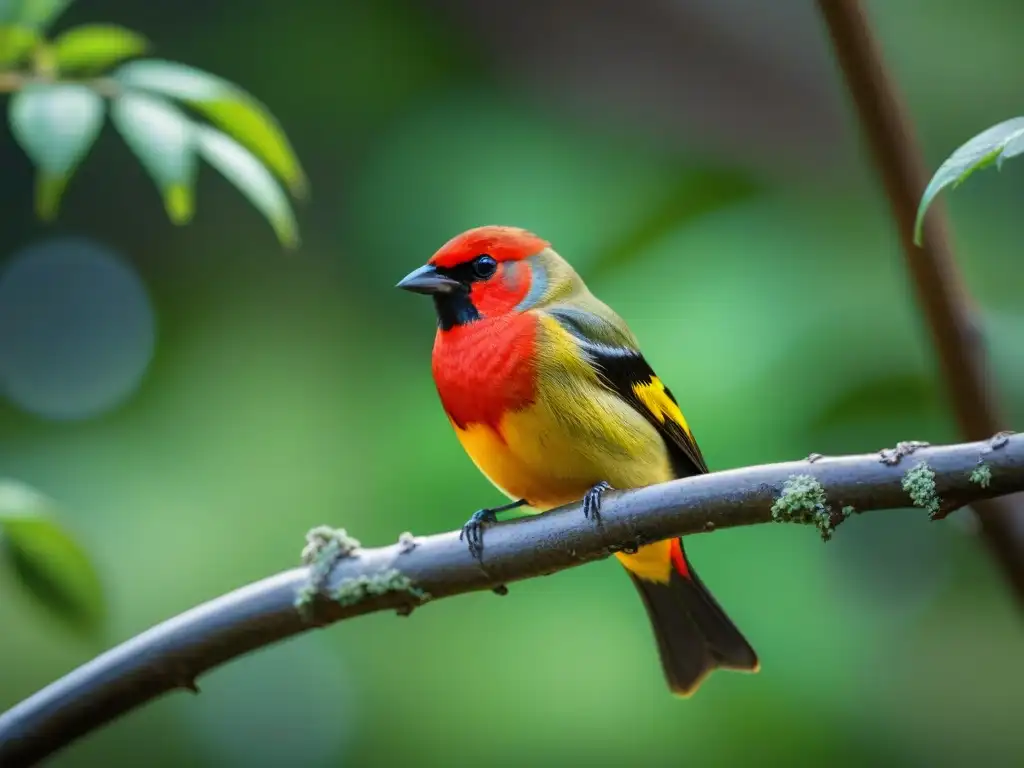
(613, 353)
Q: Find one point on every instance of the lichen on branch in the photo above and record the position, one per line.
(352, 590)
(919, 483)
(982, 475)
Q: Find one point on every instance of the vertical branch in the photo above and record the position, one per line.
(937, 281)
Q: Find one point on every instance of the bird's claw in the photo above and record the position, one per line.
(592, 501)
(473, 531)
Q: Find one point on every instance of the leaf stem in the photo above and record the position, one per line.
(13, 81)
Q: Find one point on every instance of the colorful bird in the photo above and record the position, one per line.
(551, 398)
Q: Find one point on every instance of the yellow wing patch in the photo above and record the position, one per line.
(654, 397)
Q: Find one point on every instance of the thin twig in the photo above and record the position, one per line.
(13, 81)
(939, 286)
(173, 654)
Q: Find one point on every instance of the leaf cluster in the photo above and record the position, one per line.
(170, 115)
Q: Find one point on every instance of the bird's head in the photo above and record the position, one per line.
(489, 272)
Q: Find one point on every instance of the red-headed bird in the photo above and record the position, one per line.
(551, 398)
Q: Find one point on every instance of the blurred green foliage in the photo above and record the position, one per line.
(56, 123)
(47, 559)
(286, 393)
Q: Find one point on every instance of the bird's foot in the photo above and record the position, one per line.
(473, 530)
(592, 501)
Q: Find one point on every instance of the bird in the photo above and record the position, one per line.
(550, 396)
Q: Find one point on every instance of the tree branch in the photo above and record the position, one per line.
(939, 286)
(825, 492)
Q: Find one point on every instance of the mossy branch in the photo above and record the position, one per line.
(820, 491)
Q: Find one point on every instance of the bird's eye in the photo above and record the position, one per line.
(484, 266)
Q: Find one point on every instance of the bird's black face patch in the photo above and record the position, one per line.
(457, 308)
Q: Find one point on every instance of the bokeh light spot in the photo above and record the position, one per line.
(77, 329)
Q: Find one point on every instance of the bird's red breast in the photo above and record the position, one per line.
(485, 369)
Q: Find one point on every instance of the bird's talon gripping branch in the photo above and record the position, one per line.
(592, 501)
(473, 531)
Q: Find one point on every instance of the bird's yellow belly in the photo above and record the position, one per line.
(534, 456)
(519, 477)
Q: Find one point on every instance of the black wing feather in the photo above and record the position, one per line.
(622, 373)
(622, 369)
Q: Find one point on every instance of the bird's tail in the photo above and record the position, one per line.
(693, 633)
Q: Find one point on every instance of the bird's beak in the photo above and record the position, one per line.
(428, 280)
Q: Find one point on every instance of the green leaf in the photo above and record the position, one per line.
(987, 148)
(93, 47)
(55, 124)
(15, 44)
(163, 138)
(225, 105)
(247, 173)
(47, 560)
(37, 14)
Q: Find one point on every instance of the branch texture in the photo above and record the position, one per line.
(822, 491)
(940, 288)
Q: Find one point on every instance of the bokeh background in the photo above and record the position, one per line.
(195, 398)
